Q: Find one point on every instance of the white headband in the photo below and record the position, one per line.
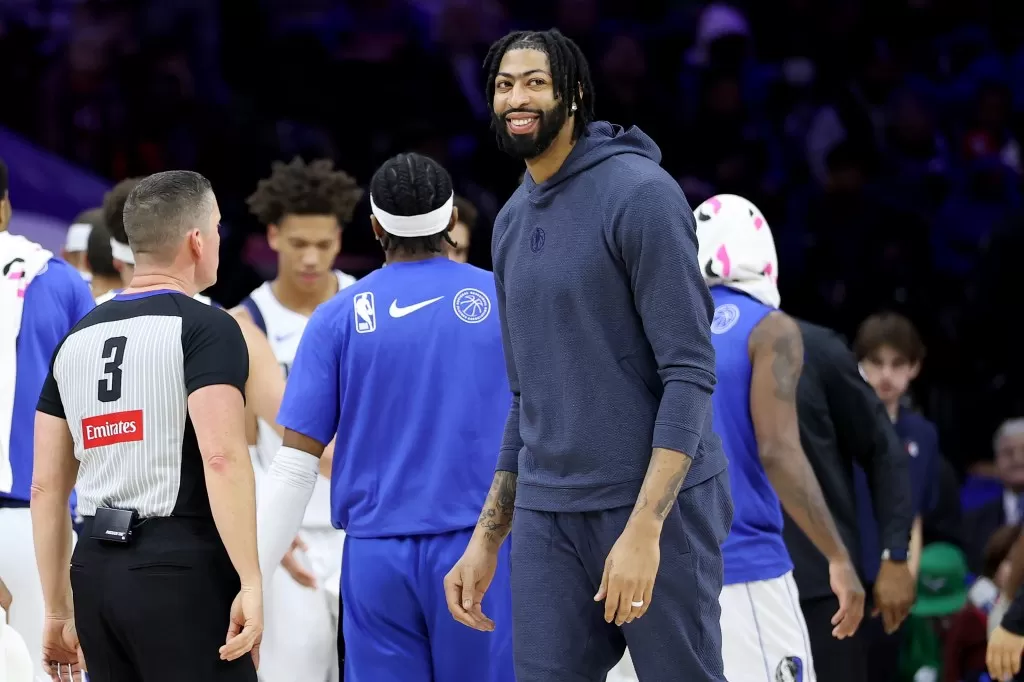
(415, 225)
(77, 238)
(121, 252)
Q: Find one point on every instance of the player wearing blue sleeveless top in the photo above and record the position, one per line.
(406, 368)
(759, 359)
(754, 549)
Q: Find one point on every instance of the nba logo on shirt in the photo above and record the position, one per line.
(365, 312)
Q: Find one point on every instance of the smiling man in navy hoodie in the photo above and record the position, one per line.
(618, 483)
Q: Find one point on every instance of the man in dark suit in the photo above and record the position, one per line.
(1008, 445)
(842, 421)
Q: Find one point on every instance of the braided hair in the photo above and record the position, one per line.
(569, 71)
(408, 185)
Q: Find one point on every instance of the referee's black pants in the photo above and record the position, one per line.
(157, 609)
(869, 656)
(835, 660)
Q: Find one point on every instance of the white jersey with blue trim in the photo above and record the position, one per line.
(284, 328)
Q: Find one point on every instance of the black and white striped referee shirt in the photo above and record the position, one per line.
(121, 379)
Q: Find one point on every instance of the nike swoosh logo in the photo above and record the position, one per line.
(396, 311)
(283, 337)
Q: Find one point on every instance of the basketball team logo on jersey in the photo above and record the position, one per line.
(791, 669)
(365, 312)
(109, 429)
(726, 317)
(471, 305)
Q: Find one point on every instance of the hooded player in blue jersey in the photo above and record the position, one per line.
(759, 351)
(405, 366)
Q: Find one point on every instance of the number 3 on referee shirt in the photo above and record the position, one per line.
(110, 385)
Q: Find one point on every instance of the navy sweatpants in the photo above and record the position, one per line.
(396, 621)
(557, 562)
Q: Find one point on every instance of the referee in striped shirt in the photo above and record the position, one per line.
(144, 406)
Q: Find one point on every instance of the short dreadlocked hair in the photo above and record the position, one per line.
(298, 188)
(570, 71)
(113, 208)
(407, 185)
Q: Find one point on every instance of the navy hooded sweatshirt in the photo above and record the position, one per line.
(605, 318)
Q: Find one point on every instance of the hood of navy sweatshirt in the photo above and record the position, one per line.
(602, 141)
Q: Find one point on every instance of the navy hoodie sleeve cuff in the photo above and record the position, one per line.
(508, 460)
(682, 403)
(511, 442)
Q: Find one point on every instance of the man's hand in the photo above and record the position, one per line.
(629, 572)
(245, 631)
(894, 594)
(5, 599)
(62, 654)
(293, 565)
(1003, 654)
(847, 588)
(467, 582)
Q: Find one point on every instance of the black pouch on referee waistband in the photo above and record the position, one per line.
(113, 525)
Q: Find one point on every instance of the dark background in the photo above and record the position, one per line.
(880, 138)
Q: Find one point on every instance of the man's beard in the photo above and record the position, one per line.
(526, 147)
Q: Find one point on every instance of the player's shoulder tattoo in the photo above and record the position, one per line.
(779, 335)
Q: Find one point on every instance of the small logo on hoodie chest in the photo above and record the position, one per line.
(537, 240)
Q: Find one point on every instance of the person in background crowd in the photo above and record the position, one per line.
(944, 638)
(890, 353)
(462, 234)
(304, 208)
(41, 298)
(991, 592)
(1008, 445)
(100, 261)
(77, 239)
(1006, 639)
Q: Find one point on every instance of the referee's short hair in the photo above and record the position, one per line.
(163, 208)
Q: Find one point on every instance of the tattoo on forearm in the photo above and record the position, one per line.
(496, 516)
(786, 366)
(663, 481)
(671, 491)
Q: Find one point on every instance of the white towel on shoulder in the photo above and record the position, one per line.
(21, 261)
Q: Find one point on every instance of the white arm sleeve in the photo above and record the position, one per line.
(284, 495)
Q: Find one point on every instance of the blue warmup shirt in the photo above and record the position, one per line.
(754, 549)
(606, 322)
(405, 366)
(920, 440)
(55, 300)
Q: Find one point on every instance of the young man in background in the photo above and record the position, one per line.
(304, 208)
(890, 352)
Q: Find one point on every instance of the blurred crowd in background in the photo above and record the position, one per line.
(881, 138)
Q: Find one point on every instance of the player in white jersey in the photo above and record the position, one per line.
(304, 208)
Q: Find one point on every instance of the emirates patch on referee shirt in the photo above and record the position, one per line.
(109, 429)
